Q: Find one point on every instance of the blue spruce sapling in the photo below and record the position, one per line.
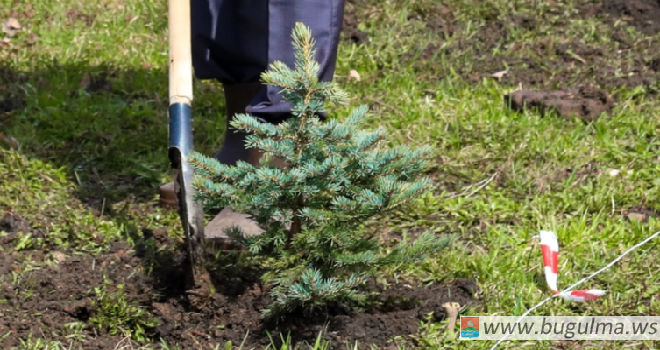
(336, 177)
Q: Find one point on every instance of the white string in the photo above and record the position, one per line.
(577, 284)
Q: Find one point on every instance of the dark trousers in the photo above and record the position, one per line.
(234, 41)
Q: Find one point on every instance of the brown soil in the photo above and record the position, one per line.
(46, 299)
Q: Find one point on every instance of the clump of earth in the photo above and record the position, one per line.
(585, 103)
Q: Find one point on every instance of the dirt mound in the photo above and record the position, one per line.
(48, 298)
(585, 103)
(229, 316)
(642, 14)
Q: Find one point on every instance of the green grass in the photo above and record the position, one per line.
(89, 163)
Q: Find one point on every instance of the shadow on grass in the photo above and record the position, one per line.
(232, 274)
(107, 126)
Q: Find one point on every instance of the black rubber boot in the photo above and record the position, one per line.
(233, 149)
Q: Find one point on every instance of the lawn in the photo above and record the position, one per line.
(85, 251)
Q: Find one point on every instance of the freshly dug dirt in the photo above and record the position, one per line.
(52, 296)
(584, 103)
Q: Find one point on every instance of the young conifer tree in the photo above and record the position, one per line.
(336, 177)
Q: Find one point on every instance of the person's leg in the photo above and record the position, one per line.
(324, 18)
(235, 41)
(274, 21)
(237, 96)
(230, 45)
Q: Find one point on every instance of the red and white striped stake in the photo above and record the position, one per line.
(550, 249)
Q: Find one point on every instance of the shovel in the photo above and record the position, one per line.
(181, 137)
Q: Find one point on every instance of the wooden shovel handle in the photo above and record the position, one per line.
(180, 54)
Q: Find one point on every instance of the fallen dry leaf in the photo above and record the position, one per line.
(500, 74)
(11, 27)
(353, 74)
